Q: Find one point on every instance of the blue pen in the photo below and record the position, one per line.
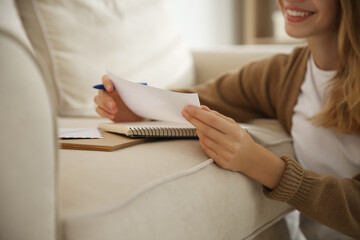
(101, 86)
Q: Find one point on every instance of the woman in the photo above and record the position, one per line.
(314, 92)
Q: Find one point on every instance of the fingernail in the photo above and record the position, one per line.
(186, 108)
(108, 87)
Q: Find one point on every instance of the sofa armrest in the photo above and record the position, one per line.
(28, 148)
(210, 62)
(164, 190)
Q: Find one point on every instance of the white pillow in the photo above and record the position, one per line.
(77, 41)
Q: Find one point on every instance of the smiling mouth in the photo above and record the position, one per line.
(298, 13)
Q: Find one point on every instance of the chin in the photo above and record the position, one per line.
(295, 33)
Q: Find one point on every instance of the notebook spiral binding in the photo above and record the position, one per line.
(163, 132)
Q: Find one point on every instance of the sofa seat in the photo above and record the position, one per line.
(172, 192)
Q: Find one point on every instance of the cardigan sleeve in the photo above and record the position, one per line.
(322, 197)
(267, 88)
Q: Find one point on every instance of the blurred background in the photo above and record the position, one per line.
(206, 23)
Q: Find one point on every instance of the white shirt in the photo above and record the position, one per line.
(317, 148)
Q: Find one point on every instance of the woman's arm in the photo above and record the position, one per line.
(263, 89)
(322, 197)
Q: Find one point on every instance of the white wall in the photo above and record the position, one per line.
(206, 22)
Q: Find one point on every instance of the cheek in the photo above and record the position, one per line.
(330, 15)
(327, 24)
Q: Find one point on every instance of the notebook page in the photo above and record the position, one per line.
(154, 103)
(79, 133)
(155, 124)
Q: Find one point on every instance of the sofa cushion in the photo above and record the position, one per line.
(77, 41)
(164, 190)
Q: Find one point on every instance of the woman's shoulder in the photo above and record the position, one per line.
(280, 63)
(299, 55)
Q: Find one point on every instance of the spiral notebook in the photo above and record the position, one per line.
(151, 129)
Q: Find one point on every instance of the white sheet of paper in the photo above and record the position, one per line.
(80, 133)
(154, 103)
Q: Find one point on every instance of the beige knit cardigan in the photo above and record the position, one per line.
(270, 89)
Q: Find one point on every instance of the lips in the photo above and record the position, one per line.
(297, 14)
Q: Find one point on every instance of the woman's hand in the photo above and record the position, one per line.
(110, 105)
(232, 148)
(221, 138)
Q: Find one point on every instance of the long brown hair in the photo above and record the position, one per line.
(341, 111)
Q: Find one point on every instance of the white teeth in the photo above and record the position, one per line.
(297, 13)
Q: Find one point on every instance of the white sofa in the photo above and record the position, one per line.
(50, 58)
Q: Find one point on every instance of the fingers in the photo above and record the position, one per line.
(221, 129)
(217, 113)
(213, 150)
(206, 108)
(221, 138)
(105, 101)
(106, 106)
(208, 151)
(216, 139)
(104, 114)
(197, 115)
(204, 128)
(108, 84)
(210, 143)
